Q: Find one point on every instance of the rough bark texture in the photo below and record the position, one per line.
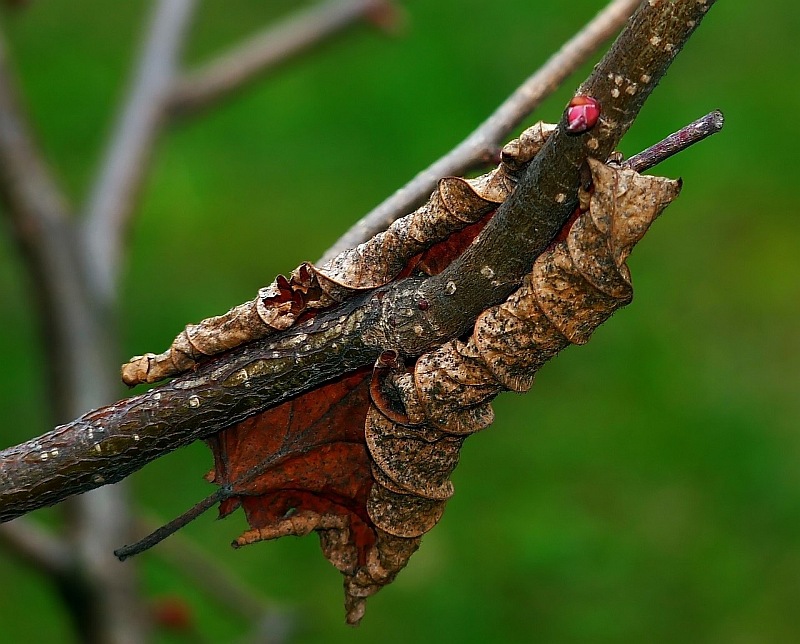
(107, 444)
(547, 194)
(455, 204)
(264, 373)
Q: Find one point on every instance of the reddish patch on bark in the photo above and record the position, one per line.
(562, 234)
(439, 256)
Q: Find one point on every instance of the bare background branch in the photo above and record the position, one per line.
(253, 58)
(124, 163)
(47, 553)
(483, 144)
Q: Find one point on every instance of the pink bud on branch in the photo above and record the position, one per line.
(582, 114)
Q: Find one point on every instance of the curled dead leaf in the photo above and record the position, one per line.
(456, 204)
(574, 286)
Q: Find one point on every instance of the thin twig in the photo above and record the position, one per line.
(480, 145)
(264, 51)
(164, 531)
(693, 133)
(122, 167)
(44, 551)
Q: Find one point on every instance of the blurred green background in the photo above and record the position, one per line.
(646, 489)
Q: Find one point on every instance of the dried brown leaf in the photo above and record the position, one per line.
(455, 205)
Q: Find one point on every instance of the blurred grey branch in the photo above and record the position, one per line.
(123, 166)
(268, 49)
(75, 265)
(46, 552)
(484, 142)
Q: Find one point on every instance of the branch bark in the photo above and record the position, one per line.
(107, 444)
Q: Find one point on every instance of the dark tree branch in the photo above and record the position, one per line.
(106, 445)
(122, 168)
(266, 50)
(109, 443)
(483, 143)
(545, 197)
(693, 133)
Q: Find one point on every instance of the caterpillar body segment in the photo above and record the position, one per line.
(574, 286)
(455, 204)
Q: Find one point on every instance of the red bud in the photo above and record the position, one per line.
(582, 114)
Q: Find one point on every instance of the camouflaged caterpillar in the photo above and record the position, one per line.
(455, 204)
(420, 418)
